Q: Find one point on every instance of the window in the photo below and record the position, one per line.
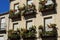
(49, 2)
(16, 7)
(30, 2)
(3, 23)
(48, 21)
(15, 26)
(29, 24)
(1, 38)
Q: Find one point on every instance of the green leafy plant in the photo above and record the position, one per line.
(14, 35)
(13, 15)
(28, 34)
(53, 32)
(43, 7)
(29, 8)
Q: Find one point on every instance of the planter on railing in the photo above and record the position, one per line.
(13, 35)
(25, 34)
(29, 9)
(52, 33)
(29, 34)
(44, 6)
(47, 34)
(12, 14)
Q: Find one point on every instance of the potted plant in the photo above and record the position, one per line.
(32, 33)
(53, 32)
(43, 33)
(29, 34)
(13, 35)
(29, 9)
(43, 7)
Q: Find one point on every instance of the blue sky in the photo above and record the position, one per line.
(4, 6)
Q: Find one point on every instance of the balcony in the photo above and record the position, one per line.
(2, 30)
(46, 5)
(29, 10)
(14, 15)
(43, 33)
